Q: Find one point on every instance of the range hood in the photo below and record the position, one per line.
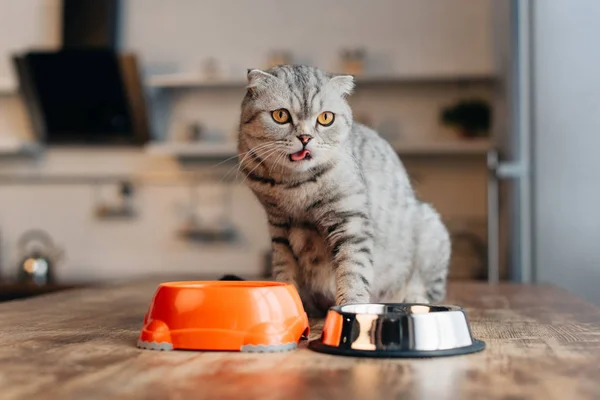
(86, 93)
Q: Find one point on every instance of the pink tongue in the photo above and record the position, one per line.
(301, 155)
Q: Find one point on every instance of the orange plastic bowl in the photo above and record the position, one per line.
(225, 316)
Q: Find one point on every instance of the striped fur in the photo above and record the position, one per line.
(346, 226)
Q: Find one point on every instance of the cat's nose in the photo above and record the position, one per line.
(304, 139)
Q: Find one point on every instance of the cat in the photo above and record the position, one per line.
(345, 224)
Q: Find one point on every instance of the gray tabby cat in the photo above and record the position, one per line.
(345, 224)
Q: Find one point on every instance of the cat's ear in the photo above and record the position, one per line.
(257, 80)
(344, 84)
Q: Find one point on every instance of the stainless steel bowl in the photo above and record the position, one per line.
(396, 330)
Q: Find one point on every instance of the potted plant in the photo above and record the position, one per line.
(471, 118)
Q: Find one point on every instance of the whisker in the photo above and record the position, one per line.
(256, 148)
(229, 172)
(277, 161)
(260, 154)
(259, 164)
(237, 166)
(227, 159)
(240, 154)
(282, 164)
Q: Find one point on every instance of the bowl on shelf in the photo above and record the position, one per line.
(396, 330)
(250, 316)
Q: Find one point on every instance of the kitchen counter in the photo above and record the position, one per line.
(542, 343)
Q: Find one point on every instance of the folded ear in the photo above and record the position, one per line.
(257, 80)
(344, 84)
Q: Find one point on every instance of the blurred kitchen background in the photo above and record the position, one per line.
(118, 123)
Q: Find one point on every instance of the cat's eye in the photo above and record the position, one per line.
(281, 116)
(326, 118)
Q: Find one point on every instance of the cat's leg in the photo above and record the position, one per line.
(431, 260)
(283, 260)
(283, 264)
(414, 292)
(350, 238)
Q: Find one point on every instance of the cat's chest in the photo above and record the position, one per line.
(294, 203)
(307, 242)
(314, 258)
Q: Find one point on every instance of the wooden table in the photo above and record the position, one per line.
(14, 291)
(542, 343)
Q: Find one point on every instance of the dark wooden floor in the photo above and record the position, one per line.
(542, 343)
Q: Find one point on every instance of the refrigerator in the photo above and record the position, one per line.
(543, 185)
(509, 160)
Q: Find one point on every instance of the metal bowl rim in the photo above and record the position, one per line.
(436, 309)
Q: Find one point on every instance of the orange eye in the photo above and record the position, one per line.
(281, 116)
(326, 118)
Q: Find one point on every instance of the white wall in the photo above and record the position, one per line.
(567, 139)
(402, 36)
(405, 37)
(24, 24)
(101, 250)
(148, 244)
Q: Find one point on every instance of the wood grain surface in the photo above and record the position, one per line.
(542, 343)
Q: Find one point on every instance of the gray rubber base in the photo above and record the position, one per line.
(249, 348)
(164, 346)
(246, 349)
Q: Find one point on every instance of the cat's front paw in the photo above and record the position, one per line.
(352, 299)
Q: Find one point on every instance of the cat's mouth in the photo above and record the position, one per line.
(301, 155)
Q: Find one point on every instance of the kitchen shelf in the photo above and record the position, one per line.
(443, 148)
(182, 80)
(193, 150)
(226, 150)
(10, 148)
